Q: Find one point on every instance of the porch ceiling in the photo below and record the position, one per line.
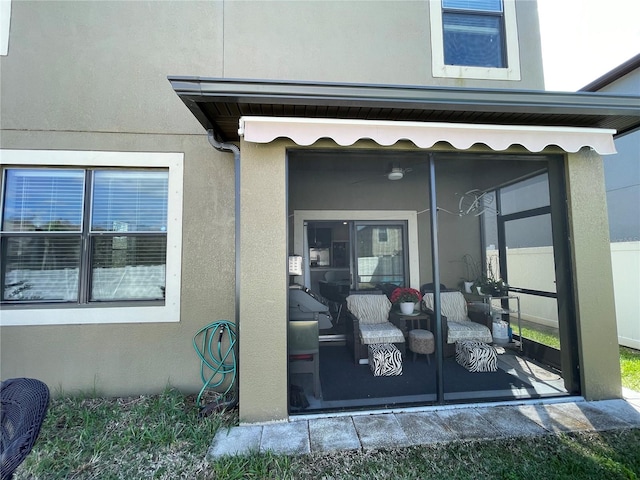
(218, 104)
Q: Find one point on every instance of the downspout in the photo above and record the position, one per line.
(232, 148)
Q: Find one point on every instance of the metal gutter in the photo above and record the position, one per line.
(218, 103)
(390, 96)
(613, 75)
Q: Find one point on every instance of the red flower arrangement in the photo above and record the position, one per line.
(404, 294)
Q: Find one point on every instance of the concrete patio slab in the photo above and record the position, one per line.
(380, 431)
(630, 395)
(388, 430)
(597, 419)
(510, 422)
(425, 428)
(290, 438)
(467, 423)
(626, 411)
(554, 419)
(235, 441)
(333, 434)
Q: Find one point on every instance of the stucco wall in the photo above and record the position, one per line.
(92, 76)
(103, 66)
(593, 280)
(622, 174)
(263, 284)
(126, 359)
(384, 42)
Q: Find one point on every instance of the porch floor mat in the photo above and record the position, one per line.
(343, 380)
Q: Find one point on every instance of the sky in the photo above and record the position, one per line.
(584, 39)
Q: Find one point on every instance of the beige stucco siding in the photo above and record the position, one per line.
(92, 76)
(595, 306)
(103, 66)
(125, 359)
(263, 283)
(381, 42)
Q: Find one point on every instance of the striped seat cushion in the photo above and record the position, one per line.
(369, 309)
(454, 306)
(385, 360)
(380, 333)
(460, 330)
(476, 356)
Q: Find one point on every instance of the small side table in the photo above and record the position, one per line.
(409, 322)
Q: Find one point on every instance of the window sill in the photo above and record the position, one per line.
(479, 73)
(37, 315)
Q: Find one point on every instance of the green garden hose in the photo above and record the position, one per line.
(215, 364)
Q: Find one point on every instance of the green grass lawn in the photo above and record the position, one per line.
(541, 337)
(629, 358)
(630, 368)
(162, 437)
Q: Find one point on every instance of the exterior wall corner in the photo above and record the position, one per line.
(593, 279)
(262, 338)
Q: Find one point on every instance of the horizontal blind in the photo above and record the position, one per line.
(41, 268)
(130, 267)
(475, 5)
(473, 40)
(129, 201)
(129, 212)
(43, 200)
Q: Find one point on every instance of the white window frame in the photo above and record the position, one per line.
(22, 315)
(440, 70)
(409, 216)
(5, 23)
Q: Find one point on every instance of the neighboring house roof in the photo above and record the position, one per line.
(613, 75)
(218, 104)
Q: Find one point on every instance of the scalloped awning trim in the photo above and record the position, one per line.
(307, 131)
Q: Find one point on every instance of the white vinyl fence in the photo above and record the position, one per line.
(625, 260)
(533, 268)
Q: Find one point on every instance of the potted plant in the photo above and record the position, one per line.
(474, 273)
(407, 298)
(491, 284)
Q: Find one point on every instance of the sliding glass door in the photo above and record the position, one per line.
(528, 260)
(379, 254)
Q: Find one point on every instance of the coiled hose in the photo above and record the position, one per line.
(215, 364)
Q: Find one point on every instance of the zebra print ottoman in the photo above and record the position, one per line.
(385, 360)
(476, 356)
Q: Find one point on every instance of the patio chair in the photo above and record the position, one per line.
(24, 406)
(458, 323)
(334, 295)
(304, 350)
(370, 317)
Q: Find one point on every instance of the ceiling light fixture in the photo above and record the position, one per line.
(396, 173)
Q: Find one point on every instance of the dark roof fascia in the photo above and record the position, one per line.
(195, 90)
(613, 75)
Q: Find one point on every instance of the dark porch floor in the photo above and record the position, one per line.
(347, 386)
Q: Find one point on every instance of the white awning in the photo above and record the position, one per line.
(307, 131)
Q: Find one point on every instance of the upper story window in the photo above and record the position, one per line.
(90, 229)
(473, 32)
(474, 39)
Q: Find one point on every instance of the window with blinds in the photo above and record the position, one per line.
(473, 33)
(83, 235)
